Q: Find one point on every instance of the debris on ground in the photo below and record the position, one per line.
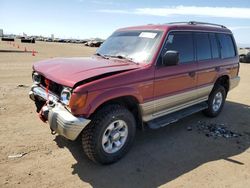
(216, 130)
(22, 85)
(19, 155)
(2, 108)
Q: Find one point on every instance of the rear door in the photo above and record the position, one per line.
(174, 86)
(208, 59)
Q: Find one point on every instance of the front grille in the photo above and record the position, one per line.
(53, 86)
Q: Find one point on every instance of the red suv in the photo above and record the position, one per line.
(146, 75)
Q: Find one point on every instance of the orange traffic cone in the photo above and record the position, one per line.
(25, 49)
(33, 52)
(17, 46)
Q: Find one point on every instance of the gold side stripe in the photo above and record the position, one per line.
(153, 109)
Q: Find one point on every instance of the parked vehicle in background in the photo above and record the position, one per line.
(94, 43)
(149, 75)
(245, 58)
(48, 40)
(28, 40)
(10, 39)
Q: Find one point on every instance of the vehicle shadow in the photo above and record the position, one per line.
(160, 156)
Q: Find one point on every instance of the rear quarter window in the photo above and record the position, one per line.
(226, 45)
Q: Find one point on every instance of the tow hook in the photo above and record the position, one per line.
(51, 103)
(43, 114)
(53, 132)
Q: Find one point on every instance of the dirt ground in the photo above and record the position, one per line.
(168, 157)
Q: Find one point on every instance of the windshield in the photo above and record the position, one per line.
(138, 46)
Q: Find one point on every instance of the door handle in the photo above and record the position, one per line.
(192, 74)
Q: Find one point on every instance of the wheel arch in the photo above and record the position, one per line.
(129, 102)
(223, 80)
(125, 97)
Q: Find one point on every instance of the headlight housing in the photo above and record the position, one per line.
(65, 95)
(36, 77)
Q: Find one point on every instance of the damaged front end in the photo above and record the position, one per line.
(52, 109)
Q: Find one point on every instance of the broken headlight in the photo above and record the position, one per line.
(65, 95)
(36, 77)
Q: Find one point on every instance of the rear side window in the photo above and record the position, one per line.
(181, 42)
(227, 45)
(214, 46)
(203, 46)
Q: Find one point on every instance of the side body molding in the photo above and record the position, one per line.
(174, 103)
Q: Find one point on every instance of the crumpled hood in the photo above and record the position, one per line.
(69, 71)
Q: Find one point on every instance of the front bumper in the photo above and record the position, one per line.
(60, 119)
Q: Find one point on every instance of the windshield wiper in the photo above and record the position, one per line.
(121, 57)
(103, 56)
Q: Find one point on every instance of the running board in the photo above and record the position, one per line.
(175, 116)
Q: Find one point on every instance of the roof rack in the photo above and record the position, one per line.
(198, 23)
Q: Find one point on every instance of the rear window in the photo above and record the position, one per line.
(227, 46)
(203, 46)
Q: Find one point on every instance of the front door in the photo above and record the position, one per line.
(175, 86)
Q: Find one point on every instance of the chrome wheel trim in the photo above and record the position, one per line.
(217, 101)
(114, 136)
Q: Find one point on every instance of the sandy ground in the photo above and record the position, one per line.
(167, 157)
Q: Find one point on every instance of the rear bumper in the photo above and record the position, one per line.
(60, 119)
(234, 82)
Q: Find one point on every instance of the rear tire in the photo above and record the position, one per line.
(215, 101)
(110, 134)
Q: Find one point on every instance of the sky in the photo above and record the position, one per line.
(82, 19)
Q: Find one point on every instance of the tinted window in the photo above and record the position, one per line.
(227, 45)
(183, 43)
(214, 46)
(203, 46)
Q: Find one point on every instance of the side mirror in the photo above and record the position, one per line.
(170, 58)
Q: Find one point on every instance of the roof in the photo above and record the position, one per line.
(192, 25)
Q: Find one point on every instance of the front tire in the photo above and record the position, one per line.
(110, 134)
(215, 101)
